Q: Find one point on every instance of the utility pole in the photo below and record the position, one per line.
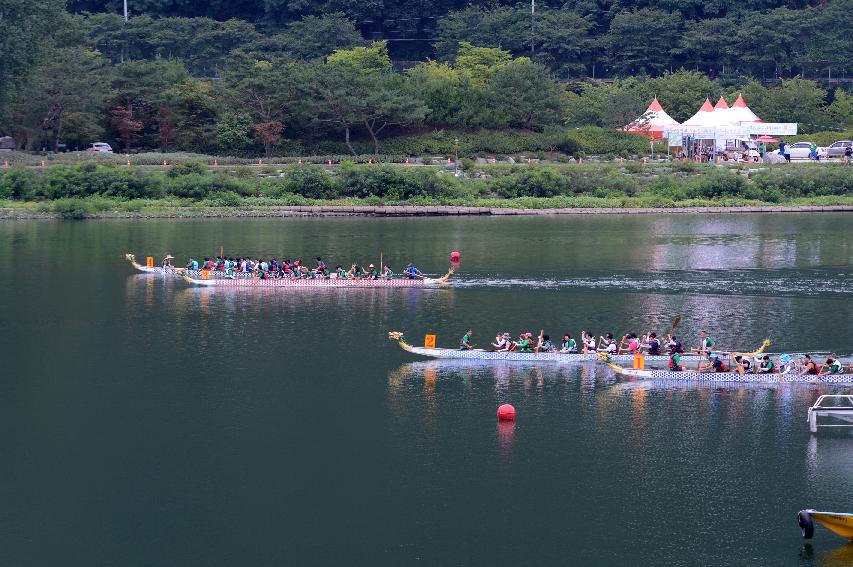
(532, 26)
(125, 11)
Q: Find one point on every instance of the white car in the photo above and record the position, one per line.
(102, 147)
(801, 150)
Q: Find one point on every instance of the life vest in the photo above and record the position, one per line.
(654, 347)
(835, 367)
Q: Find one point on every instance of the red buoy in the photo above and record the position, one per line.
(506, 412)
(454, 256)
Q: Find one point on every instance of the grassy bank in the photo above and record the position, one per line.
(193, 188)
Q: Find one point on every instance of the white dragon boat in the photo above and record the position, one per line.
(218, 278)
(720, 377)
(505, 356)
(207, 278)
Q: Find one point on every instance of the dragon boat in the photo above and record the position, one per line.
(208, 278)
(512, 356)
(719, 377)
(838, 522)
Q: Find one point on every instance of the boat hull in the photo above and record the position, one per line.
(298, 283)
(554, 357)
(731, 376)
(838, 522)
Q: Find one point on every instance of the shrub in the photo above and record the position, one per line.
(70, 208)
(21, 184)
(308, 181)
(187, 168)
(720, 185)
(225, 199)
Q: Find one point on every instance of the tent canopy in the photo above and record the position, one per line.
(704, 117)
(740, 112)
(652, 121)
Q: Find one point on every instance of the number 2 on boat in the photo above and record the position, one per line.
(429, 341)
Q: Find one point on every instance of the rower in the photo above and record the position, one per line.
(674, 345)
(811, 367)
(501, 343)
(706, 343)
(321, 266)
(674, 360)
(608, 345)
(569, 344)
(341, 273)
(633, 342)
(372, 272)
(714, 364)
(167, 261)
(525, 342)
(543, 344)
(588, 343)
(743, 363)
(465, 341)
(766, 366)
(653, 345)
(412, 272)
(387, 273)
(831, 366)
(192, 264)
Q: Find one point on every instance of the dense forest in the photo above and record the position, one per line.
(245, 77)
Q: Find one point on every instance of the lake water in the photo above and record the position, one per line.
(145, 422)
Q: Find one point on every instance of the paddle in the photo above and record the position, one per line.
(675, 323)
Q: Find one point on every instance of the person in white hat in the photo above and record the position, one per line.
(167, 262)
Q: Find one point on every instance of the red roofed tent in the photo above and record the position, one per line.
(652, 122)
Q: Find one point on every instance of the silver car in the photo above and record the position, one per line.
(838, 148)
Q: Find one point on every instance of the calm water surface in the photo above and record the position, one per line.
(148, 423)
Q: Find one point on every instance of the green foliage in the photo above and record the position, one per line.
(20, 184)
(308, 181)
(70, 209)
(316, 36)
(372, 58)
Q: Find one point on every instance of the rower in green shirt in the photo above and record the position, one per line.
(465, 341)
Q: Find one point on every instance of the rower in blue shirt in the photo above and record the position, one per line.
(412, 272)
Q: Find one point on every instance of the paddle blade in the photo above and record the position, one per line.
(676, 322)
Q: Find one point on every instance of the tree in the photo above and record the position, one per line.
(609, 105)
(126, 125)
(356, 87)
(841, 110)
(72, 80)
(233, 130)
(316, 36)
(25, 30)
(640, 41)
(525, 95)
(680, 93)
(480, 62)
(368, 59)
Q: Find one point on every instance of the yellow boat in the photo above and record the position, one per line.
(838, 522)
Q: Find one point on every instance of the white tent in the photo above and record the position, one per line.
(704, 117)
(740, 112)
(722, 113)
(652, 121)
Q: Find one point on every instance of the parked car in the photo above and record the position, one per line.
(801, 150)
(837, 149)
(7, 144)
(100, 147)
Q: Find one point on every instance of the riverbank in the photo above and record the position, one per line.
(194, 190)
(25, 213)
